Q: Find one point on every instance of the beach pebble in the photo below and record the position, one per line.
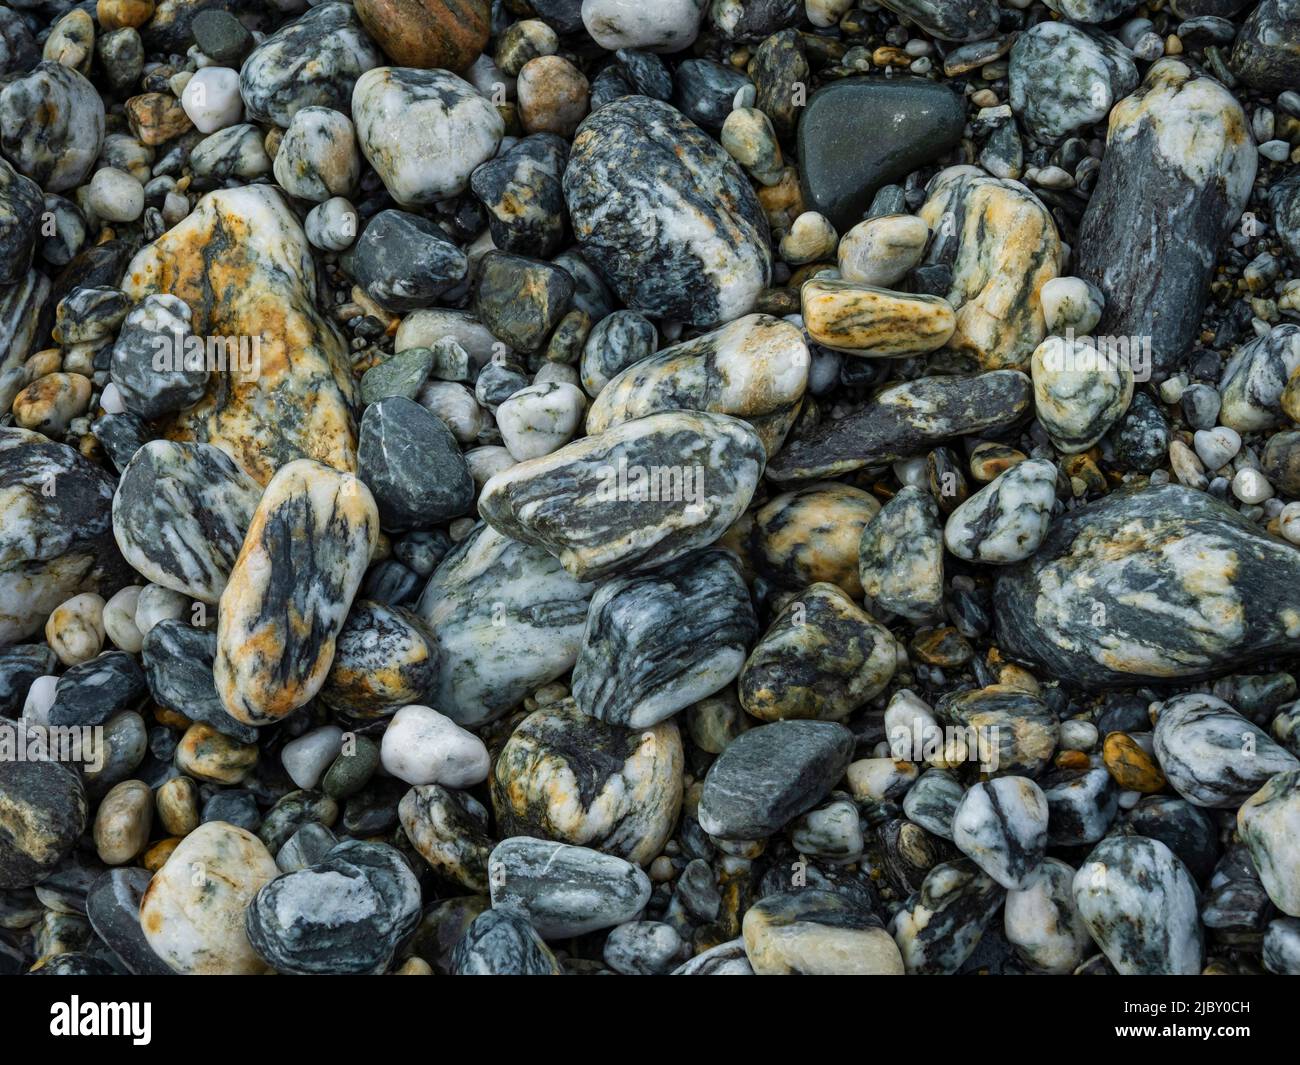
(422, 746)
(1002, 827)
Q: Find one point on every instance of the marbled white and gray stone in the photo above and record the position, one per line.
(177, 659)
(1014, 731)
(1080, 391)
(666, 214)
(564, 890)
(21, 206)
(1007, 519)
(1043, 924)
(318, 156)
(1001, 825)
(1212, 755)
(950, 20)
(522, 191)
(449, 830)
(1267, 823)
(234, 152)
(501, 943)
(770, 775)
(933, 800)
(1064, 77)
(52, 126)
(811, 932)
(940, 925)
(180, 514)
(1140, 906)
(1162, 204)
(313, 61)
(1194, 590)
(657, 642)
(726, 959)
(384, 659)
(43, 811)
(616, 342)
(1082, 804)
(506, 619)
(638, 495)
(1255, 380)
(900, 556)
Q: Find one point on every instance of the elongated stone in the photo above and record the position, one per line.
(564, 890)
(180, 513)
(1162, 205)
(193, 910)
(950, 20)
(812, 534)
(1140, 906)
(506, 618)
(876, 322)
(1006, 520)
(900, 556)
(940, 926)
(755, 368)
(447, 828)
(20, 309)
(665, 214)
(1269, 824)
(1159, 583)
(1212, 755)
(310, 62)
(90, 693)
(242, 264)
(768, 776)
(1002, 246)
(638, 495)
(904, 420)
(822, 658)
(817, 933)
(384, 659)
(113, 909)
(660, 641)
(568, 777)
(424, 131)
(55, 535)
(308, 546)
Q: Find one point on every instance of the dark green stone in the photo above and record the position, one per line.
(861, 133)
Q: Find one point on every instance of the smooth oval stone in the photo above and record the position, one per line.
(411, 462)
(1064, 77)
(1007, 519)
(687, 475)
(1042, 923)
(404, 261)
(882, 250)
(874, 322)
(310, 62)
(1267, 54)
(950, 20)
(1002, 247)
(308, 544)
(424, 131)
(506, 618)
(564, 890)
(444, 826)
(1140, 906)
(384, 659)
(1008, 730)
(1267, 823)
(822, 658)
(55, 535)
(904, 420)
(933, 800)
(193, 910)
(1212, 755)
(1194, 590)
(344, 915)
(615, 343)
(1001, 825)
(900, 556)
(501, 943)
(43, 811)
(565, 776)
(113, 909)
(90, 693)
(1255, 384)
(1162, 205)
(643, 948)
(446, 34)
(666, 215)
(180, 514)
(667, 26)
(234, 152)
(421, 746)
(812, 534)
(1080, 391)
(22, 305)
(658, 642)
(52, 126)
(522, 191)
(940, 925)
(755, 368)
(726, 959)
(770, 775)
(811, 932)
(859, 134)
(258, 299)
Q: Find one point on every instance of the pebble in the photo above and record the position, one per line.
(817, 933)
(553, 96)
(874, 322)
(318, 157)
(940, 926)
(502, 943)
(122, 822)
(900, 556)
(75, 629)
(1043, 924)
(422, 746)
(1002, 826)
(52, 126)
(211, 99)
(413, 466)
(669, 26)
(1008, 519)
(881, 251)
(1063, 78)
(45, 810)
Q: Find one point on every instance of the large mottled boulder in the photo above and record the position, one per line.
(281, 385)
(1161, 583)
(665, 214)
(1165, 199)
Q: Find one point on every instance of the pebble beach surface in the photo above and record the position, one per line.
(697, 487)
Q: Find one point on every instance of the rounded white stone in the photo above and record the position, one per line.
(75, 630)
(880, 251)
(156, 604)
(119, 619)
(211, 99)
(540, 419)
(115, 196)
(1071, 303)
(421, 746)
(1251, 486)
(658, 26)
(306, 758)
(1217, 447)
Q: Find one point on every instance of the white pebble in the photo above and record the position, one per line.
(1071, 303)
(1251, 486)
(306, 758)
(40, 697)
(880, 251)
(119, 619)
(156, 604)
(1289, 522)
(540, 419)
(421, 746)
(1217, 447)
(115, 196)
(211, 99)
(75, 629)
